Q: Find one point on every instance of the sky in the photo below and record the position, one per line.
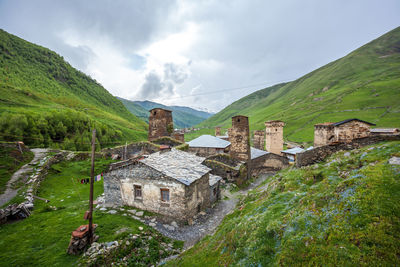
(203, 54)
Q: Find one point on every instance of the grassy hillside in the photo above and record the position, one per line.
(342, 212)
(46, 102)
(364, 84)
(183, 116)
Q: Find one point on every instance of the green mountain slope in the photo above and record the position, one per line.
(46, 102)
(342, 212)
(182, 116)
(364, 84)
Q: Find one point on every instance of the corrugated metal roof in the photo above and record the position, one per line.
(179, 165)
(214, 179)
(208, 141)
(384, 130)
(256, 153)
(293, 151)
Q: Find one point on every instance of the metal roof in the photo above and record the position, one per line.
(214, 179)
(349, 120)
(179, 165)
(293, 151)
(256, 153)
(384, 130)
(208, 141)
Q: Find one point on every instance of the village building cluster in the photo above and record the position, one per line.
(179, 184)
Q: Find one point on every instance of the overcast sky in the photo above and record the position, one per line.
(177, 52)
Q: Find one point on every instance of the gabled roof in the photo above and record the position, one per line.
(208, 141)
(256, 153)
(293, 151)
(214, 179)
(349, 120)
(179, 165)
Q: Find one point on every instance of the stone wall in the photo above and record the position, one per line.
(259, 138)
(160, 123)
(215, 192)
(320, 153)
(206, 151)
(131, 150)
(267, 163)
(218, 131)
(228, 173)
(239, 138)
(167, 141)
(274, 136)
(179, 136)
(324, 134)
(184, 201)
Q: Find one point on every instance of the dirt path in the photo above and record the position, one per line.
(207, 223)
(22, 173)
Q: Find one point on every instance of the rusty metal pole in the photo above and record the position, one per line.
(91, 188)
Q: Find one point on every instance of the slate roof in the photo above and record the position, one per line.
(208, 141)
(349, 120)
(179, 165)
(293, 151)
(256, 153)
(214, 179)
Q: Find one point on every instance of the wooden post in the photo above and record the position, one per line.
(91, 189)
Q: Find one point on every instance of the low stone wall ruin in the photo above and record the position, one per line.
(320, 153)
(131, 150)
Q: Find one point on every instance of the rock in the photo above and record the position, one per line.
(174, 224)
(132, 211)
(112, 212)
(202, 213)
(347, 154)
(127, 242)
(103, 209)
(394, 161)
(139, 213)
(153, 220)
(152, 224)
(140, 228)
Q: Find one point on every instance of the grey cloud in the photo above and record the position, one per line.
(152, 86)
(175, 73)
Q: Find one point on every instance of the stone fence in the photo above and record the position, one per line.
(320, 153)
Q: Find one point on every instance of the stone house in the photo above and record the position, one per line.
(264, 162)
(171, 182)
(208, 145)
(328, 133)
(291, 153)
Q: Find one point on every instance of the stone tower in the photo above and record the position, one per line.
(239, 138)
(259, 138)
(274, 136)
(160, 123)
(218, 131)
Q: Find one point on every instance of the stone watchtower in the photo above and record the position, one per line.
(160, 123)
(218, 131)
(239, 138)
(259, 138)
(274, 136)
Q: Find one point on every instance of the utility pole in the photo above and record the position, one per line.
(91, 188)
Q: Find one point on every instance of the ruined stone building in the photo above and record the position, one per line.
(239, 138)
(208, 145)
(171, 182)
(160, 123)
(258, 140)
(274, 136)
(340, 132)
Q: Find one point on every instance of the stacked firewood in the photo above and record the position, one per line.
(80, 239)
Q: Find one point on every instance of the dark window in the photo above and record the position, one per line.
(164, 195)
(138, 191)
(155, 112)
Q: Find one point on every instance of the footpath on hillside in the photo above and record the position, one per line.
(21, 174)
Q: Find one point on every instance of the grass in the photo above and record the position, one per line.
(341, 212)
(360, 85)
(42, 239)
(11, 160)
